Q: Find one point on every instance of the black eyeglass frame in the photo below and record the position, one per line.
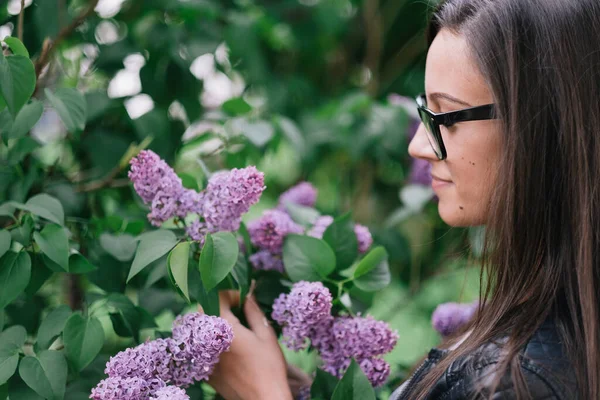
(477, 113)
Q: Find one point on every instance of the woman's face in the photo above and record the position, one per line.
(465, 180)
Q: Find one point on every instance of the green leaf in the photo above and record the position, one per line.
(307, 258)
(376, 279)
(26, 119)
(24, 146)
(16, 46)
(177, 263)
(323, 386)
(3, 392)
(241, 274)
(5, 240)
(126, 320)
(52, 327)
(46, 374)
(18, 390)
(23, 233)
(44, 206)
(54, 243)
(70, 106)
(354, 385)
(121, 247)
(152, 246)
(40, 273)
(78, 264)
(11, 341)
(15, 271)
(373, 258)
(342, 239)
(83, 338)
(236, 106)
(6, 121)
(17, 81)
(305, 216)
(218, 257)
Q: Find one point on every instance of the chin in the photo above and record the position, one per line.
(451, 214)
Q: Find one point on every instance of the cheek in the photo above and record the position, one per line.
(473, 171)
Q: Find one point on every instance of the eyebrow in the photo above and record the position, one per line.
(446, 96)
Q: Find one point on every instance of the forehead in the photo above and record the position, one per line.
(451, 69)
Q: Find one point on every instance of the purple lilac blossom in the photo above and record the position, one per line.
(420, 172)
(340, 339)
(170, 393)
(150, 175)
(304, 194)
(118, 388)
(308, 304)
(269, 231)
(449, 318)
(229, 195)
(320, 226)
(202, 339)
(376, 369)
(197, 231)
(147, 361)
(363, 237)
(265, 261)
(304, 393)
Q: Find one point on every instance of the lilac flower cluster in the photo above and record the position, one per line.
(339, 340)
(158, 185)
(363, 235)
(305, 315)
(170, 393)
(303, 194)
(268, 233)
(449, 318)
(228, 196)
(298, 312)
(188, 356)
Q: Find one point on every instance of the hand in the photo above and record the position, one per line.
(254, 368)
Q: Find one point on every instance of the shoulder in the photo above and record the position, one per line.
(544, 365)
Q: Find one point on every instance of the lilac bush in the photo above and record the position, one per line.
(307, 305)
(305, 315)
(269, 231)
(303, 194)
(189, 356)
(229, 195)
(449, 318)
(170, 393)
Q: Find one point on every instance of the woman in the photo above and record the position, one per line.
(526, 163)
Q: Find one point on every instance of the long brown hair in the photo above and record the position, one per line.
(541, 59)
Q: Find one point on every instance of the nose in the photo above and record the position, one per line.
(420, 147)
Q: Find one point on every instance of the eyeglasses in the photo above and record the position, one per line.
(432, 121)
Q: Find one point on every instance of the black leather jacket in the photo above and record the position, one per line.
(548, 374)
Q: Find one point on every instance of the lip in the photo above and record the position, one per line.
(440, 179)
(437, 183)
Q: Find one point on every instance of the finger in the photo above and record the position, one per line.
(229, 298)
(200, 309)
(257, 321)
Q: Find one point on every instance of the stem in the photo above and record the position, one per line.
(50, 46)
(21, 19)
(75, 291)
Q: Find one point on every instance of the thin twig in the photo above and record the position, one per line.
(108, 180)
(21, 19)
(374, 45)
(62, 35)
